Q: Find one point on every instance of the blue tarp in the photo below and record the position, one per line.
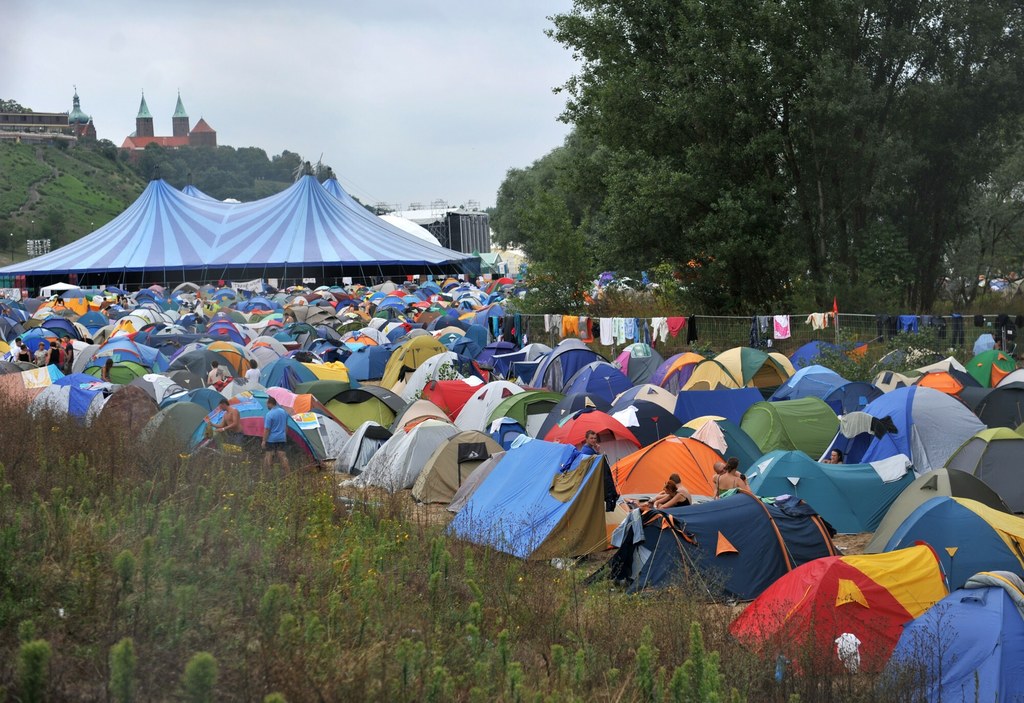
(729, 403)
(513, 510)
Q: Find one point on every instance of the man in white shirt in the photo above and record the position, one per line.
(253, 374)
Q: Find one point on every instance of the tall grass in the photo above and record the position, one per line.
(153, 576)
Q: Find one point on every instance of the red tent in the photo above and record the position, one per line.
(450, 396)
(871, 596)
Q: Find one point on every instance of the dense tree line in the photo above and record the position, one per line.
(223, 172)
(774, 153)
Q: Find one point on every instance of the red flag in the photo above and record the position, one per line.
(835, 306)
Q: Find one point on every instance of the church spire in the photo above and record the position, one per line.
(144, 120)
(179, 109)
(143, 109)
(179, 121)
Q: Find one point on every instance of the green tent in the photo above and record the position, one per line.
(529, 409)
(990, 367)
(807, 424)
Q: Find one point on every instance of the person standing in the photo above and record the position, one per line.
(275, 435)
(41, 357)
(253, 374)
(69, 357)
(230, 424)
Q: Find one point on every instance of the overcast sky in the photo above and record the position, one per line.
(408, 101)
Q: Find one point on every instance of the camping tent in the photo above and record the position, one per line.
(940, 482)
(559, 365)
(996, 456)
(675, 371)
(929, 425)
(360, 447)
(541, 501)
(807, 424)
(399, 461)
(871, 596)
(741, 367)
(736, 546)
(725, 402)
(452, 463)
(645, 471)
(967, 536)
(852, 497)
(639, 362)
(968, 647)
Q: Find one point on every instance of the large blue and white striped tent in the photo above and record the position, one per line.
(304, 231)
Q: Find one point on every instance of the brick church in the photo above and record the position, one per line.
(200, 135)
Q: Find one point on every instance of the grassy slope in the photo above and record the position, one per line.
(80, 187)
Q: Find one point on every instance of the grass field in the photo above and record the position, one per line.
(130, 571)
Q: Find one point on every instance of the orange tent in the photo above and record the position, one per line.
(647, 470)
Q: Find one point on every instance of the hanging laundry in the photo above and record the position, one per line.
(607, 327)
(691, 329)
(676, 325)
(659, 328)
(817, 320)
(755, 333)
(908, 323)
(570, 326)
(781, 326)
(631, 328)
(586, 334)
(957, 337)
(620, 330)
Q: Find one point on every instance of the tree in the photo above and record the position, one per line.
(784, 147)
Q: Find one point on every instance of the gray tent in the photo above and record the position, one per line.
(451, 464)
(934, 484)
(360, 447)
(996, 456)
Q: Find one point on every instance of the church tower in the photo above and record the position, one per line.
(144, 120)
(179, 121)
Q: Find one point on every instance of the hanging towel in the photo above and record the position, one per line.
(659, 328)
(619, 325)
(691, 329)
(630, 328)
(755, 333)
(607, 327)
(676, 325)
(570, 326)
(781, 326)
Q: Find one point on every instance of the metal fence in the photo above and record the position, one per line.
(718, 333)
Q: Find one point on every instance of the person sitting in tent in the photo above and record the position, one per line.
(105, 371)
(834, 457)
(216, 379)
(674, 495)
(590, 443)
(230, 425)
(728, 477)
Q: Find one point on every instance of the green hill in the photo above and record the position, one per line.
(60, 193)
